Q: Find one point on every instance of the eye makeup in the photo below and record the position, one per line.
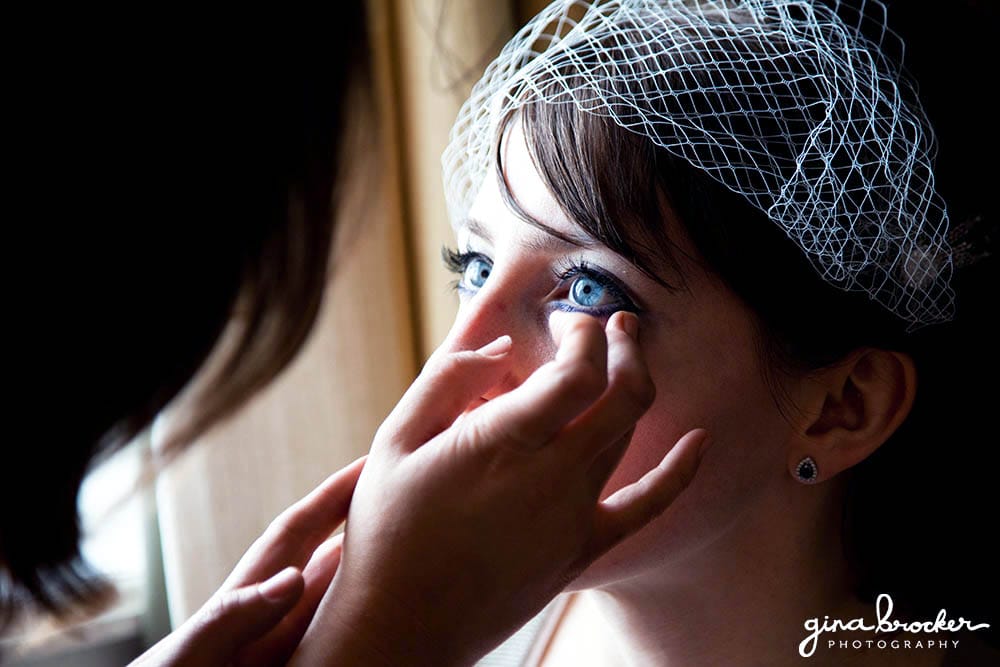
(581, 286)
(583, 280)
(472, 269)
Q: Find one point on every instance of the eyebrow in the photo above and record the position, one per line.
(551, 240)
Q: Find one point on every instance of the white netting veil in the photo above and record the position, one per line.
(797, 106)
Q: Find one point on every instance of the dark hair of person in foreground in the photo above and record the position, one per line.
(183, 172)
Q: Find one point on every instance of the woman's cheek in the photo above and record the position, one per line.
(653, 437)
(744, 459)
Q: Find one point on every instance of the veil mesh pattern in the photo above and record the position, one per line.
(798, 106)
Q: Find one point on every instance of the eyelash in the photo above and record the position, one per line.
(569, 269)
(456, 262)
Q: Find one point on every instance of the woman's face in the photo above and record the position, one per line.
(698, 344)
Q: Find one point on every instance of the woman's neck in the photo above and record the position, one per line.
(743, 600)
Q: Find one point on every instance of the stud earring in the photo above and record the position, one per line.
(806, 471)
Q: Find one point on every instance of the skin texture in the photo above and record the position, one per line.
(434, 569)
(734, 567)
(247, 623)
(512, 436)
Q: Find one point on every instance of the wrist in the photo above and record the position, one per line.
(376, 632)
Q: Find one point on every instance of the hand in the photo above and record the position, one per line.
(470, 516)
(264, 607)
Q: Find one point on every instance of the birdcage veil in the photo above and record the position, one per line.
(798, 106)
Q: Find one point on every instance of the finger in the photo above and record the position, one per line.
(319, 573)
(633, 506)
(599, 436)
(295, 533)
(605, 463)
(444, 389)
(575, 336)
(629, 394)
(278, 645)
(531, 415)
(233, 619)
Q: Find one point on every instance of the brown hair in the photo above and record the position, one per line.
(221, 151)
(619, 188)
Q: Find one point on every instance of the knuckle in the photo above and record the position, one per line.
(447, 365)
(284, 528)
(382, 432)
(478, 432)
(386, 432)
(471, 432)
(392, 432)
(434, 360)
(218, 609)
(582, 379)
(635, 385)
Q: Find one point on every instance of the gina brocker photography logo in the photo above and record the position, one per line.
(887, 632)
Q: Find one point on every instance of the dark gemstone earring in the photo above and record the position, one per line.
(806, 471)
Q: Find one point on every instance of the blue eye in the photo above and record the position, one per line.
(587, 292)
(592, 290)
(472, 268)
(476, 272)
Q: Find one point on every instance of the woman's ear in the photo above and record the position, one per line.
(854, 407)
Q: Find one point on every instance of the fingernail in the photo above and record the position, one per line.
(558, 320)
(630, 325)
(497, 348)
(280, 586)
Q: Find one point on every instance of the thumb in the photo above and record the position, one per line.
(233, 619)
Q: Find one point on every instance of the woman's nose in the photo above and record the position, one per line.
(490, 314)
